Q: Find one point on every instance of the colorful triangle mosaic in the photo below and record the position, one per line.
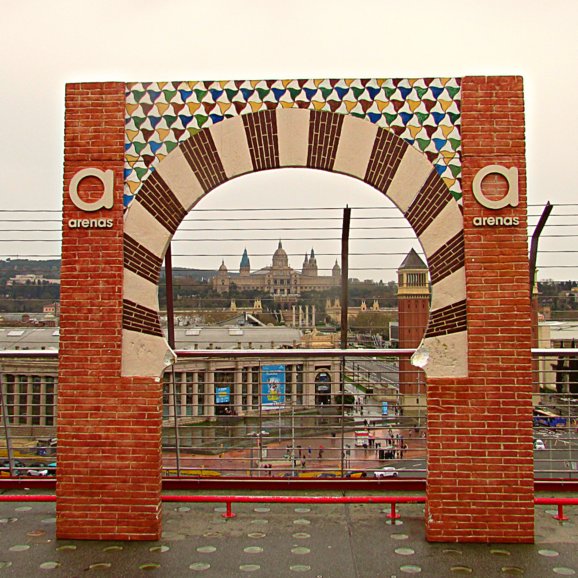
(425, 112)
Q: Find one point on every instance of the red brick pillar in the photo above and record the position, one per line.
(108, 484)
(480, 456)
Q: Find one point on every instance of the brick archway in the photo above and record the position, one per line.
(294, 138)
(480, 454)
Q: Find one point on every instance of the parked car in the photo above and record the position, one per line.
(5, 468)
(539, 445)
(386, 472)
(354, 474)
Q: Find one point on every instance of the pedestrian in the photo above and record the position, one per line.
(303, 463)
(321, 448)
(309, 451)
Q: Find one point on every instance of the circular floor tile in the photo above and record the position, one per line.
(410, 569)
(19, 548)
(23, 509)
(300, 550)
(253, 550)
(183, 509)
(302, 510)
(262, 509)
(49, 565)
(394, 522)
(68, 548)
(249, 567)
(452, 551)
(500, 552)
(260, 522)
(564, 571)
(512, 570)
(199, 566)
(300, 568)
(159, 549)
(548, 553)
(301, 522)
(36, 533)
(404, 551)
(256, 535)
(49, 521)
(399, 536)
(5, 564)
(100, 566)
(301, 535)
(149, 566)
(212, 534)
(112, 549)
(206, 549)
(461, 569)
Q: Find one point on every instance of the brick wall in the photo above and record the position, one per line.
(108, 428)
(480, 456)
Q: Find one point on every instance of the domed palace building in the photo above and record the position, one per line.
(279, 279)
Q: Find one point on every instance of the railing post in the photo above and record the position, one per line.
(560, 515)
(229, 513)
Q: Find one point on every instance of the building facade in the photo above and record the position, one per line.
(278, 279)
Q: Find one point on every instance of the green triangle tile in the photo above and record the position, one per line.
(456, 170)
(169, 94)
(420, 91)
(389, 117)
(358, 114)
(454, 117)
(231, 93)
(200, 94)
(193, 131)
(452, 90)
(294, 92)
(422, 143)
(263, 92)
(170, 146)
(138, 120)
(201, 119)
(140, 172)
(170, 119)
(457, 196)
(326, 91)
(455, 143)
(357, 91)
(389, 90)
(138, 146)
(421, 116)
(138, 94)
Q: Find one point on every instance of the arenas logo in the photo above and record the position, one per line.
(104, 202)
(510, 199)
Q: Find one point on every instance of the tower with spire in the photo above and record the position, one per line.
(245, 267)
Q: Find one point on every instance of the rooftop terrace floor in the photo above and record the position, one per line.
(280, 540)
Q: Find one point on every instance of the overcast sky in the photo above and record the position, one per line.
(45, 44)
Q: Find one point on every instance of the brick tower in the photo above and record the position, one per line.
(413, 298)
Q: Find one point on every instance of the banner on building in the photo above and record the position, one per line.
(223, 394)
(272, 386)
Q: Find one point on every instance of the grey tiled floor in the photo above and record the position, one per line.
(279, 540)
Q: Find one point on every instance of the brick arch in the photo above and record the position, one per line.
(293, 138)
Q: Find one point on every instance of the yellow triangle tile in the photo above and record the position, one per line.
(192, 84)
(318, 104)
(160, 157)
(447, 130)
(413, 104)
(286, 104)
(348, 81)
(133, 186)
(162, 84)
(131, 134)
(350, 104)
(163, 132)
(162, 107)
(130, 108)
(448, 155)
(193, 106)
(286, 83)
(223, 83)
(382, 104)
(414, 130)
(445, 104)
(255, 106)
(131, 159)
(449, 182)
(224, 106)
(254, 83)
(380, 81)
(412, 81)
(444, 81)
